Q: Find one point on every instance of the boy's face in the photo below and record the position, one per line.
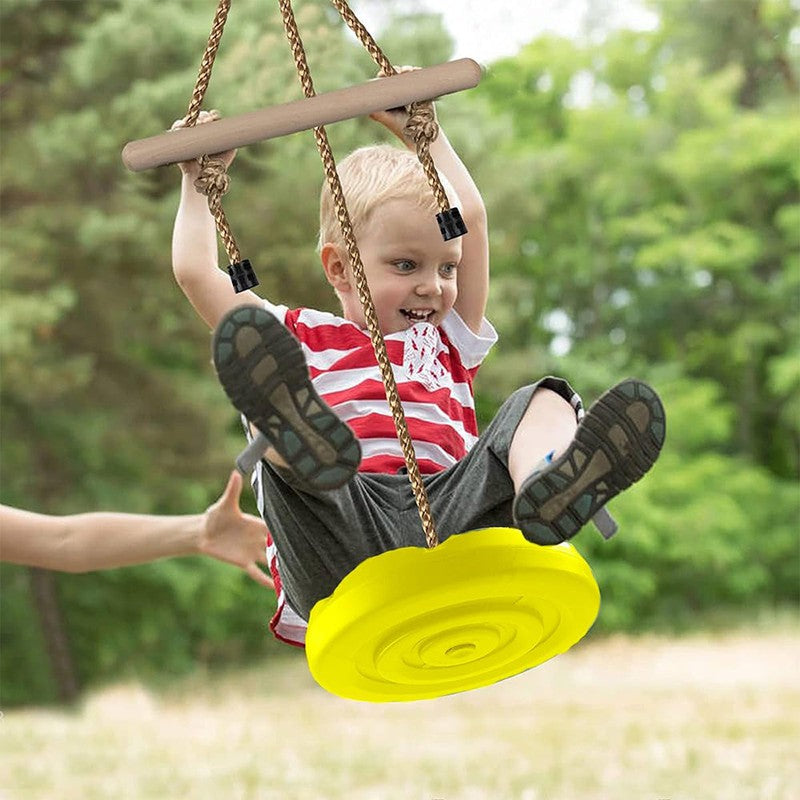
(410, 269)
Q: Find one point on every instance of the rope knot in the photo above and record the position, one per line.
(422, 124)
(213, 178)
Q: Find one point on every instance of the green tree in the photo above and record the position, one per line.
(751, 35)
(109, 400)
(648, 223)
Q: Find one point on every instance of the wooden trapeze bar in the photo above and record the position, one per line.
(300, 115)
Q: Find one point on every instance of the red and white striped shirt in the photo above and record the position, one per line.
(434, 369)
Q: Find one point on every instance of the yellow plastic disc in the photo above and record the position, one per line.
(416, 623)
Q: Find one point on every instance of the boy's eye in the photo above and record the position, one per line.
(448, 270)
(404, 266)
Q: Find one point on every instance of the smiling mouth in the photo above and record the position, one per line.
(422, 315)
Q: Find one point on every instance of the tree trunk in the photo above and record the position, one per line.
(45, 598)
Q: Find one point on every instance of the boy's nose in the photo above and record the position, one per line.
(429, 285)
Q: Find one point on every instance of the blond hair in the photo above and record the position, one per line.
(372, 176)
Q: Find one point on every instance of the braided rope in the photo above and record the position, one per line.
(207, 63)
(378, 344)
(364, 36)
(213, 180)
(421, 126)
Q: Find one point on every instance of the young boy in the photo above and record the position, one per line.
(332, 487)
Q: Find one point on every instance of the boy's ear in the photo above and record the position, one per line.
(335, 267)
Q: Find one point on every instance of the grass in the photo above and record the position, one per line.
(693, 718)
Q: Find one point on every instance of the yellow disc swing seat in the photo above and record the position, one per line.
(411, 623)
(416, 623)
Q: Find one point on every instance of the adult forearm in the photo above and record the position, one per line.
(106, 540)
(95, 541)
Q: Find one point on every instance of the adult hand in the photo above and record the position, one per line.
(236, 538)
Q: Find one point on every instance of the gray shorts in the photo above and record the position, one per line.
(321, 537)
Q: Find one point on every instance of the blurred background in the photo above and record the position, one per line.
(639, 163)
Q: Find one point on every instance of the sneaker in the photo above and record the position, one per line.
(616, 443)
(263, 371)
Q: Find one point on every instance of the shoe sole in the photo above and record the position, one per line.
(616, 443)
(264, 373)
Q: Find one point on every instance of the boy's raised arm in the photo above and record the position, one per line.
(195, 261)
(473, 271)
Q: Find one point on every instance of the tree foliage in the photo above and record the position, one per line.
(644, 210)
(652, 228)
